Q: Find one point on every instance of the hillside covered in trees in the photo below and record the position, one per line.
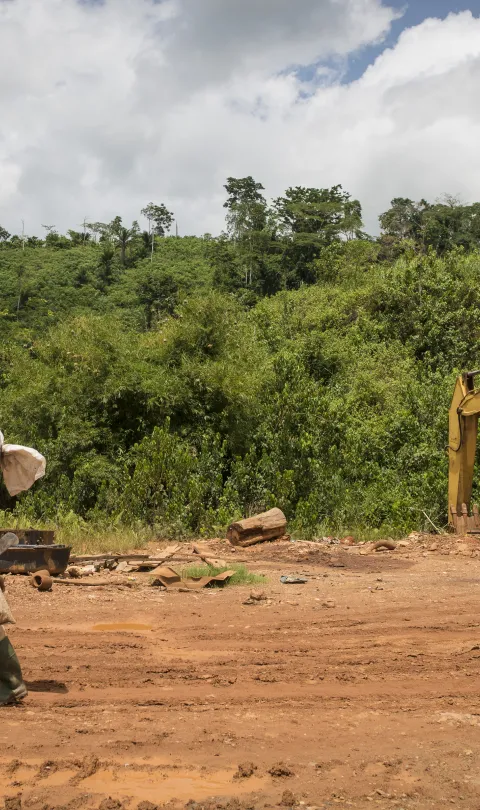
(293, 360)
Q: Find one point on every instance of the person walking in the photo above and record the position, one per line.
(20, 467)
(12, 686)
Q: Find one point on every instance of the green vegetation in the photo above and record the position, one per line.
(175, 384)
(242, 575)
(85, 537)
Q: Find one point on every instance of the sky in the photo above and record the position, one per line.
(107, 105)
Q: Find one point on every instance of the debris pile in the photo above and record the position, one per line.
(261, 537)
(169, 578)
(83, 570)
(121, 563)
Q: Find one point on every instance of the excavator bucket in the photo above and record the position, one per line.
(464, 523)
(463, 429)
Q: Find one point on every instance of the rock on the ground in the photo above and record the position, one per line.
(280, 769)
(13, 802)
(288, 799)
(245, 770)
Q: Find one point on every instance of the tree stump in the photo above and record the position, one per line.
(258, 529)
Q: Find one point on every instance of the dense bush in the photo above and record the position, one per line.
(182, 390)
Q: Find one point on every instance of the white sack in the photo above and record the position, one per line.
(21, 466)
(5, 612)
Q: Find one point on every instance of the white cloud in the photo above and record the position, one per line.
(223, 38)
(106, 107)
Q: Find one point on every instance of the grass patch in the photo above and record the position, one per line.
(361, 534)
(84, 537)
(104, 541)
(242, 575)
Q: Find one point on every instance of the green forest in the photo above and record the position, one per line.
(178, 382)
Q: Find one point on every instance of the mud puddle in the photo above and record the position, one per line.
(164, 787)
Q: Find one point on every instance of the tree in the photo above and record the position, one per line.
(121, 236)
(4, 234)
(78, 238)
(114, 228)
(404, 219)
(35, 241)
(244, 189)
(251, 262)
(247, 207)
(157, 291)
(351, 227)
(55, 240)
(449, 224)
(105, 265)
(98, 229)
(310, 220)
(446, 224)
(225, 262)
(160, 219)
(322, 212)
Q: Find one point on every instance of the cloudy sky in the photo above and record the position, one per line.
(106, 105)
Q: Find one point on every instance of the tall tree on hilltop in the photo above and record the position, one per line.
(248, 263)
(450, 223)
(404, 219)
(247, 207)
(106, 265)
(310, 219)
(160, 219)
(98, 229)
(444, 225)
(122, 237)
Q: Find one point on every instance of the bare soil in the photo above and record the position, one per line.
(359, 688)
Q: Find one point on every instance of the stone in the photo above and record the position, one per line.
(245, 770)
(288, 799)
(280, 770)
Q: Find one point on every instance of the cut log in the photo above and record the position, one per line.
(258, 529)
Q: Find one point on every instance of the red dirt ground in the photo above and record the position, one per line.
(363, 682)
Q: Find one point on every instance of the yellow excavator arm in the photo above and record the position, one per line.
(463, 429)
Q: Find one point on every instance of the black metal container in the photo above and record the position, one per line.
(36, 551)
(29, 559)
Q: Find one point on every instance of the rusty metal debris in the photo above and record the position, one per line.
(167, 577)
(380, 545)
(33, 551)
(83, 569)
(42, 581)
(123, 563)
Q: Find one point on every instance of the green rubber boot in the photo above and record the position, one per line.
(12, 687)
